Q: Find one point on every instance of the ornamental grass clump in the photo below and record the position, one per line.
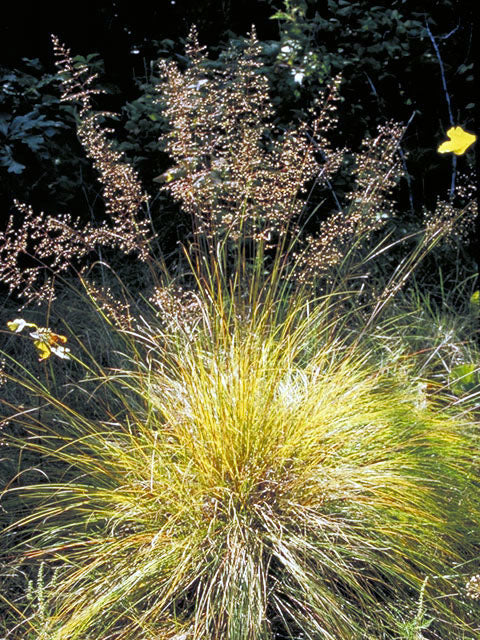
(247, 487)
(249, 465)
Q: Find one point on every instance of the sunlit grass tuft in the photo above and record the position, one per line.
(256, 478)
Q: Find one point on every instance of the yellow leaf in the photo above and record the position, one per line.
(19, 324)
(46, 342)
(43, 349)
(459, 141)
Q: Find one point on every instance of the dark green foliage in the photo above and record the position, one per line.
(144, 124)
(40, 158)
(390, 70)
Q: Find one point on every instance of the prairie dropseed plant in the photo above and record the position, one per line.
(249, 472)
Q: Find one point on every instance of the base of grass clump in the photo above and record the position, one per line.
(252, 480)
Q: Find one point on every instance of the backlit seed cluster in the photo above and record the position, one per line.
(239, 177)
(473, 587)
(34, 248)
(123, 194)
(35, 245)
(118, 312)
(458, 222)
(368, 206)
(233, 172)
(456, 215)
(3, 377)
(77, 81)
(122, 191)
(179, 308)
